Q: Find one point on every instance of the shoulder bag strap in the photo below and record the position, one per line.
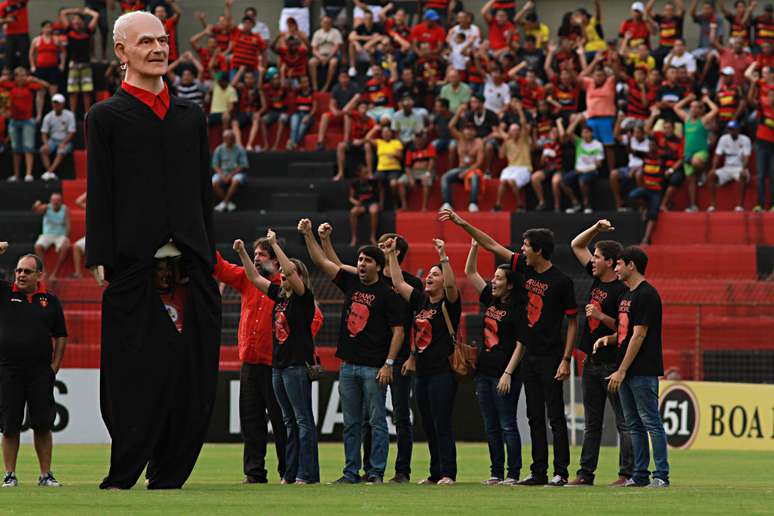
(449, 325)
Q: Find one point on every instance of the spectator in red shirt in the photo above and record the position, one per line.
(764, 150)
(13, 13)
(21, 94)
(205, 53)
(500, 28)
(357, 124)
(254, 339)
(294, 58)
(734, 56)
(636, 27)
(429, 31)
(249, 49)
(47, 57)
(170, 24)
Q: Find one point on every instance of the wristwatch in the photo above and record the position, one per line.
(389, 362)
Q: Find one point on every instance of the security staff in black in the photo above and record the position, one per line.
(32, 343)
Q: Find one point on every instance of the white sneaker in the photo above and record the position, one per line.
(692, 209)
(588, 211)
(509, 482)
(230, 206)
(492, 481)
(221, 207)
(446, 206)
(352, 71)
(573, 209)
(28, 179)
(49, 176)
(739, 208)
(658, 483)
(12, 179)
(709, 209)
(446, 481)
(10, 480)
(473, 207)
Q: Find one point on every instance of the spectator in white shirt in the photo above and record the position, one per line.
(497, 92)
(735, 149)
(326, 45)
(57, 132)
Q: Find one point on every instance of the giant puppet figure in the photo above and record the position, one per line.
(149, 232)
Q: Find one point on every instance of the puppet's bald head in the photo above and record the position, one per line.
(141, 43)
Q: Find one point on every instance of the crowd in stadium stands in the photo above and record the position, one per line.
(412, 81)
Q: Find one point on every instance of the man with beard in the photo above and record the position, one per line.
(150, 199)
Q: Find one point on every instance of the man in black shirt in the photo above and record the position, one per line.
(546, 362)
(641, 363)
(486, 124)
(30, 318)
(400, 388)
(370, 338)
(601, 314)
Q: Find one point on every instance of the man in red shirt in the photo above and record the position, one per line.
(500, 28)
(170, 25)
(256, 395)
(13, 13)
(294, 58)
(21, 94)
(764, 150)
(428, 31)
(249, 50)
(734, 56)
(636, 27)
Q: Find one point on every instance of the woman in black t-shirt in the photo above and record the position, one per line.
(293, 313)
(435, 387)
(497, 384)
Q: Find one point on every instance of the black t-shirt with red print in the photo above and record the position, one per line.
(641, 307)
(292, 328)
(504, 323)
(432, 342)
(550, 297)
(605, 296)
(408, 320)
(370, 312)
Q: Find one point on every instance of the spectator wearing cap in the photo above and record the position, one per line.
(275, 98)
(428, 31)
(735, 57)
(33, 336)
(57, 133)
(326, 49)
(298, 11)
(56, 227)
(734, 149)
(229, 162)
(21, 94)
(636, 28)
(731, 99)
(407, 121)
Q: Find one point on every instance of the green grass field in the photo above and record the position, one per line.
(702, 483)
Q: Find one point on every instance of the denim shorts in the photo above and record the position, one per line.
(22, 135)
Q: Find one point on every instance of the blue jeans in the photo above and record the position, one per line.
(764, 157)
(457, 175)
(639, 400)
(651, 198)
(298, 127)
(22, 133)
(358, 388)
(400, 393)
(500, 424)
(435, 398)
(294, 395)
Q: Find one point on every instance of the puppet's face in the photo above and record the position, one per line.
(534, 308)
(145, 49)
(491, 339)
(423, 334)
(358, 318)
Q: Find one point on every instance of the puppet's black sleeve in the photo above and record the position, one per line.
(100, 227)
(206, 185)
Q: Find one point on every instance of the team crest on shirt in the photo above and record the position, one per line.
(43, 302)
(172, 311)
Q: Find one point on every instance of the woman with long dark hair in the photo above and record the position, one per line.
(497, 381)
(436, 308)
(294, 312)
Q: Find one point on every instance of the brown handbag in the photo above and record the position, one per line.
(464, 359)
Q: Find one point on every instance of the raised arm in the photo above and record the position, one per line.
(324, 231)
(707, 119)
(256, 279)
(580, 244)
(484, 240)
(678, 108)
(94, 18)
(486, 11)
(288, 269)
(396, 274)
(471, 268)
(449, 280)
(329, 268)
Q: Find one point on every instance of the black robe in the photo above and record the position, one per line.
(149, 182)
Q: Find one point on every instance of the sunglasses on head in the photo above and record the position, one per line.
(25, 271)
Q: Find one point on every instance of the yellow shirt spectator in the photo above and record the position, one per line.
(388, 154)
(594, 41)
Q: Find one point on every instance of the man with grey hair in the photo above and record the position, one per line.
(150, 204)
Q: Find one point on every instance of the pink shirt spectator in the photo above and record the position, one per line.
(600, 101)
(739, 62)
